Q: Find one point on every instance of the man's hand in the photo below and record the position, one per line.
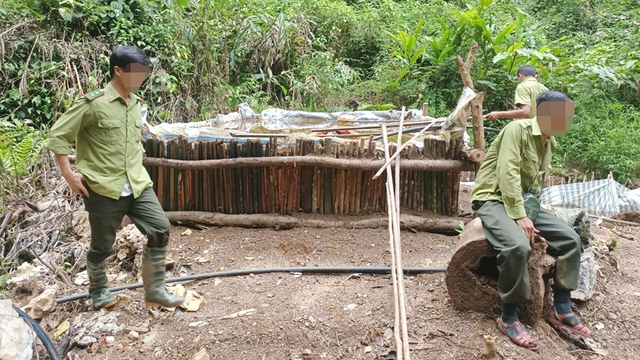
(494, 115)
(75, 179)
(527, 226)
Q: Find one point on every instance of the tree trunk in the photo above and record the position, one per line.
(281, 222)
(472, 275)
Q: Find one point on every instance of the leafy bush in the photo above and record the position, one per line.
(208, 56)
(605, 137)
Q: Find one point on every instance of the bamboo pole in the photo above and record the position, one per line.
(394, 267)
(399, 150)
(394, 232)
(377, 126)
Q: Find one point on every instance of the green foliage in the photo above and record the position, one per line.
(408, 51)
(209, 56)
(3, 282)
(604, 138)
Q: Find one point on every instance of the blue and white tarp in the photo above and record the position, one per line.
(604, 197)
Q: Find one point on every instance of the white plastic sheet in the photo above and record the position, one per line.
(604, 197)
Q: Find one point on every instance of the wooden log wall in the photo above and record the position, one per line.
(288, 189)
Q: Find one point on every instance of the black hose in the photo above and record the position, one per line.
(312, 270)
(53, 353)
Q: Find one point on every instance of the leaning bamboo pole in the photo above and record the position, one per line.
(397, 240)
(394, 269)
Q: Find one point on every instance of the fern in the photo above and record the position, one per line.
(16, 159)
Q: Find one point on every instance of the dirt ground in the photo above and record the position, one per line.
(342, 316)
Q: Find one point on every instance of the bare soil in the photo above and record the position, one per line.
(314, 317)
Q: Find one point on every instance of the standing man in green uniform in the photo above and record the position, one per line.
(106, 127)
(512, 172)
(526, 93)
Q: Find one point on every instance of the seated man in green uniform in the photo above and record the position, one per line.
(526, 93)
(513, 171)
(106, 127)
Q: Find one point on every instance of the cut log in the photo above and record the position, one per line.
(325, 161)
(433, 225)
(474, 155)
(472, 275)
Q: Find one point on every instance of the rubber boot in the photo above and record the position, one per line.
(101, 297)
(153, 272)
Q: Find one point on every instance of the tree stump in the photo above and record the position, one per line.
(472, 275)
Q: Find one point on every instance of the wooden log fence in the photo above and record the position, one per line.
(314, 176)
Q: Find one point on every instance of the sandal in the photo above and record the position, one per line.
(568, 321)
(522, 339)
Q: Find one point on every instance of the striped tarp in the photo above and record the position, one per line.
(604, 197)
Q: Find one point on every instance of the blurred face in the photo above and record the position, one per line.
(555, 117)
(132, 76)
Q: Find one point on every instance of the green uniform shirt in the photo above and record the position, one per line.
(527, 92)
(107, 133)
(515, 163)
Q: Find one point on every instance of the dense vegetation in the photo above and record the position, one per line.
(326, 54)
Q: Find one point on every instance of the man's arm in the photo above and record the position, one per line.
(62, 136)
(73, 178)
(509, 180)
(523, 112)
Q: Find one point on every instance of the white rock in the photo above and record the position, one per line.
(16, 337)
(81, 278)
(86, 341)
(24, 274)
(198, 324)
(42, 304)
(110, 339)
(350, 307)
(133, 335)
(587, 276)
(92, 326)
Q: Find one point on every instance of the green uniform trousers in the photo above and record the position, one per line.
(106, 214)
(506, 236)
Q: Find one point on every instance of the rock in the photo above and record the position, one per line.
(110, 339)
(81, 278)
(350, 307)
(16, 337)
(201, 355)
(368, 349)
(133, 335)
(613, 317)
(198, 324)
(86, 341)
(80, 223)
(24, 275)
(92, 326)
(42, 304)
(587, 276)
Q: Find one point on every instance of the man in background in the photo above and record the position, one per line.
(526, 93)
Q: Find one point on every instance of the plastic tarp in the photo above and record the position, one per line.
(604, 197)
(244, 119)
(454, 127)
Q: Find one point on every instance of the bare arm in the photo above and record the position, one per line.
(523, 112)
(73, 178)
